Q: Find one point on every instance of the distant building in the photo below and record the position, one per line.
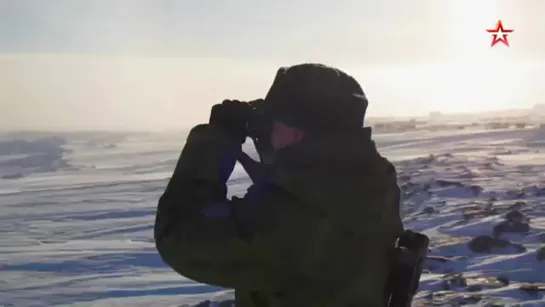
(540, 108)
(435, 114)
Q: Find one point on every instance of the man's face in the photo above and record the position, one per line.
(284, 135)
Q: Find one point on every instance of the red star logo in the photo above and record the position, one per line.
(499, 31)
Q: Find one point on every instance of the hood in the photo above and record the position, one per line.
(340, 176)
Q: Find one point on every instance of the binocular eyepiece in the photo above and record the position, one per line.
(259, 129)
(258, 122)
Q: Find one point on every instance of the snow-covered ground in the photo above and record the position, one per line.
(77, 211)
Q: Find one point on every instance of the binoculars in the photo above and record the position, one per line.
(259, 128)
(258, 123)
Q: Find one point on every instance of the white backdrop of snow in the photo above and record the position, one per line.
(77, 213)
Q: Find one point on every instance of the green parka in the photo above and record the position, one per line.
(317, 233)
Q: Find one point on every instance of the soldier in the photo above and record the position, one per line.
(317, 230)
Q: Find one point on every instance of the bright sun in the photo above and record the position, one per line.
(473, 79)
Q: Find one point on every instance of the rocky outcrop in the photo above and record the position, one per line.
(486, 244)
(515, 222)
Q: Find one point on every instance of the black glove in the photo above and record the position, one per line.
(231, 115)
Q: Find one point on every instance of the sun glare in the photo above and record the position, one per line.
(466, 25)
(473, 77)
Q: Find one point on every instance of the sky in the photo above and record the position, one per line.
(140, 64)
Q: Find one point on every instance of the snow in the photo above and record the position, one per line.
(77, 212)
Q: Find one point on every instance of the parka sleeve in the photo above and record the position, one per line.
(206, 237)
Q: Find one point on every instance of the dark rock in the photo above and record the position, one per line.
(510, 227)
(476, 190)
(428, 210)
(13, 176)
(439, 204)
(453, 281)
(515, 216)
(446, 183)
(433, 263)
(468, 173)
(468, 299)
(519, 247)
(474, 288)
(504, 280)
(484, 244)
(541, 254)
(532, 287)
(488, 166)
(518, 205)
(541, 237)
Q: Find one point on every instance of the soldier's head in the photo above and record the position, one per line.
(313, 99)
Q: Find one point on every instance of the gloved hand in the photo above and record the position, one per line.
(232, 116)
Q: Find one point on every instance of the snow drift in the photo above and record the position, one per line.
(76, 223)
